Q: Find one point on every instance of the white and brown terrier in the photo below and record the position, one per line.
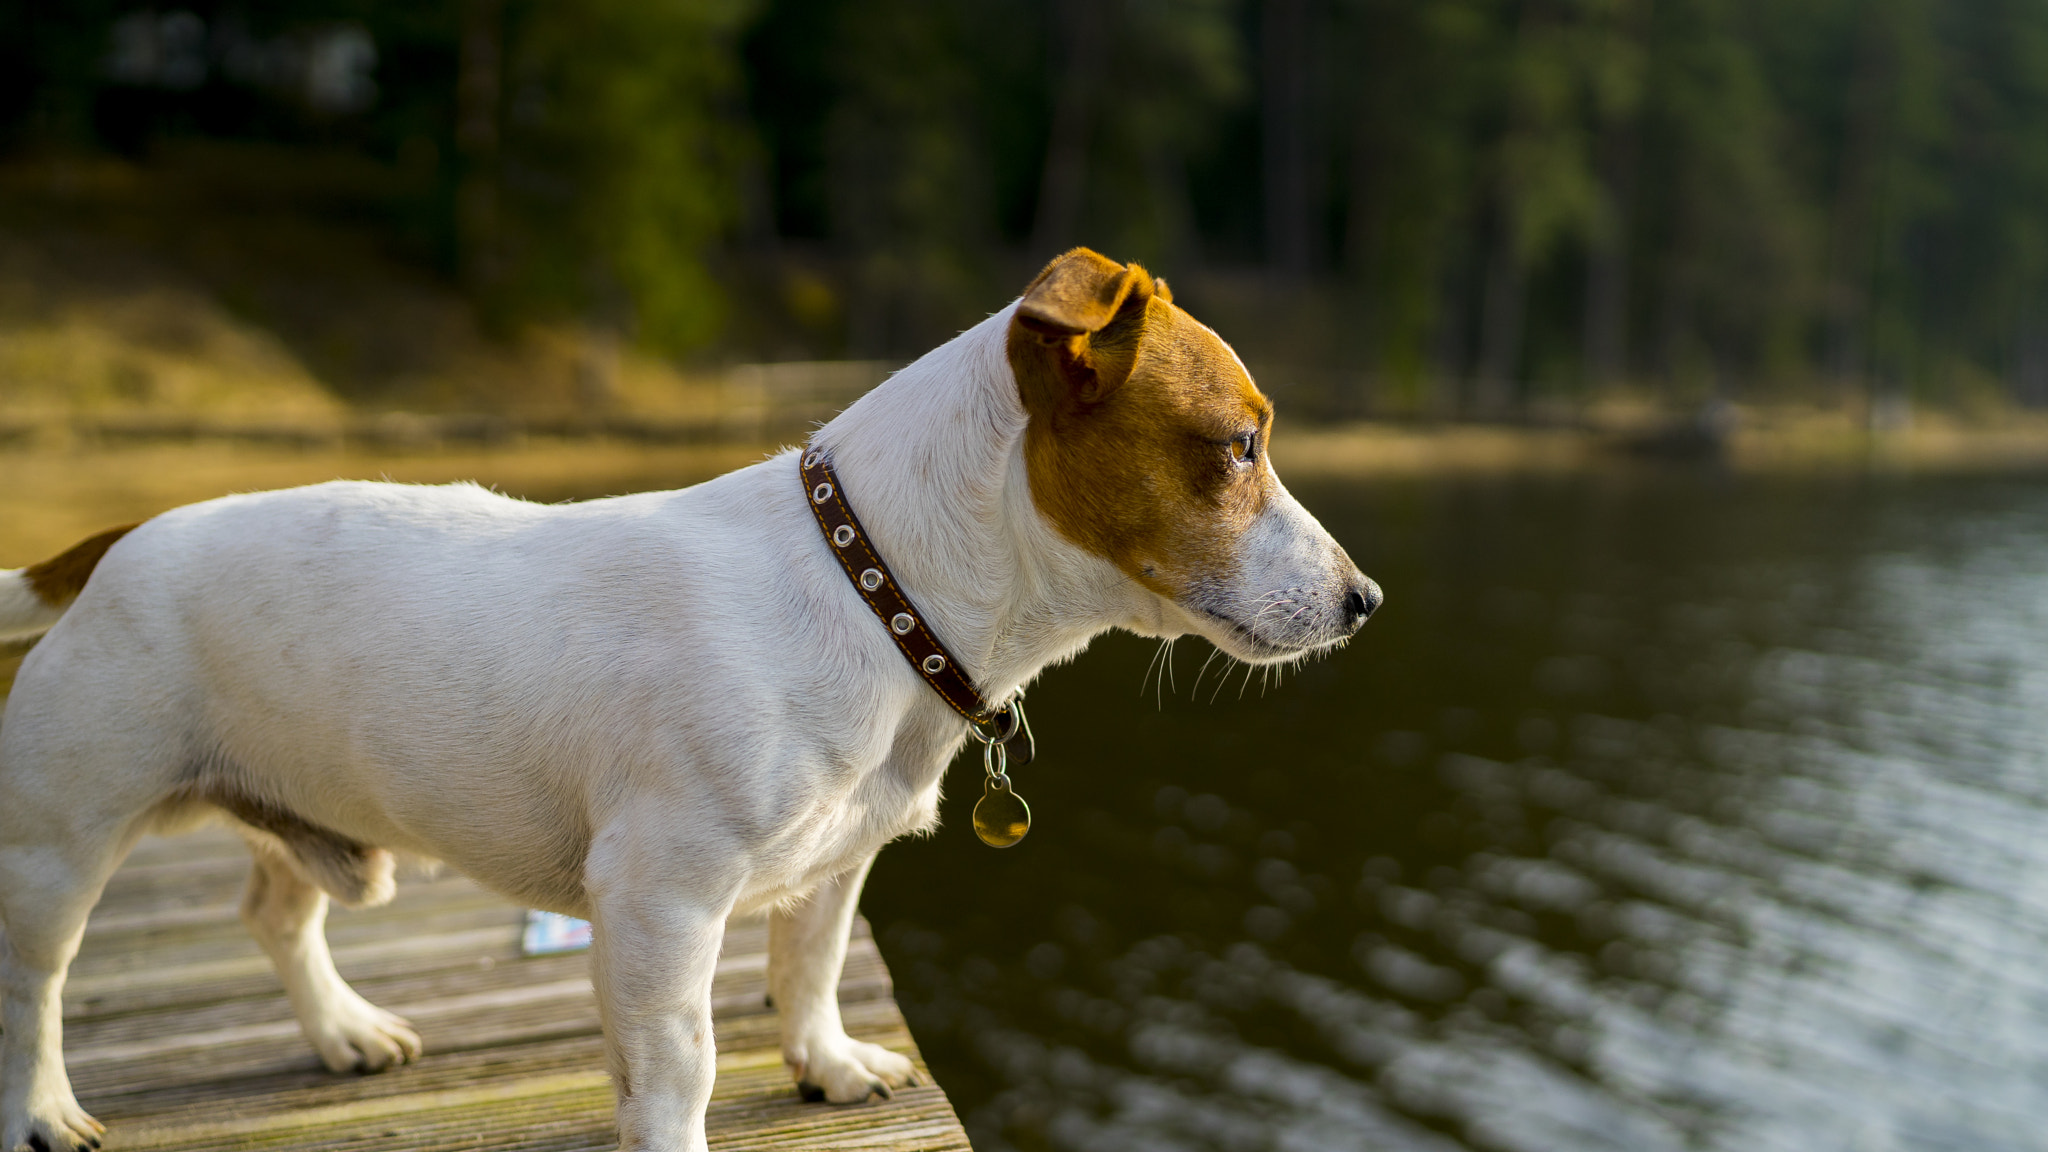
(652, 711)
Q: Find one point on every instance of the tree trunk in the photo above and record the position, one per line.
(1360, 260)
(1459, 274)
(1606, 319)
(1854, 225)
(1500, 328)
(1181, 240)
(1287, 132)
(479, 85)
(1080, 48)
(1361, 224)
(863, 227)
(2030, 363)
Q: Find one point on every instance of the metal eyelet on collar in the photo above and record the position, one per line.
(871, 579)
(935, 664)
(843, 535)
(811, 461)
(902, 622)
(821, 493)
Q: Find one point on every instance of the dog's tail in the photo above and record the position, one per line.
(32, 598)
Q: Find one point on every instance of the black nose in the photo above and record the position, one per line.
(1361, 602)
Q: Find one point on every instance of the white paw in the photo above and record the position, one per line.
(53, 1125)
(847, 1071)
(358, 1036)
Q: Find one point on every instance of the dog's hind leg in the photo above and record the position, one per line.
(287, 914)
(806, 950)
(47, 887)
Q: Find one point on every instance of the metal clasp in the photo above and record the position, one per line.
(1003, 725)
(1008, 728)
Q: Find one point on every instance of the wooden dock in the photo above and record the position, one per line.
(178, 1035)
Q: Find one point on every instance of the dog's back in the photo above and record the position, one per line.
(327, 664)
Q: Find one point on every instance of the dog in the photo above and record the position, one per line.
(651, 711)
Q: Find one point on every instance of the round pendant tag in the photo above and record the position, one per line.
(1001, 818)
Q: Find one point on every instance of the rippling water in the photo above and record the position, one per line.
(1653, 812)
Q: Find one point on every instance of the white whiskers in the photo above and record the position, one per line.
(1162, 660)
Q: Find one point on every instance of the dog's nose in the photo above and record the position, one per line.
(1361, 601)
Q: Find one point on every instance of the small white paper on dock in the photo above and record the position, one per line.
(553, 932)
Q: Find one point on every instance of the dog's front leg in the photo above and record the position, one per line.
(654, 949)
(806, 949)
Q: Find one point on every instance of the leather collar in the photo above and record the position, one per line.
(877, 585)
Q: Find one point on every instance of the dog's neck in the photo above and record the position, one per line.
(933, 465)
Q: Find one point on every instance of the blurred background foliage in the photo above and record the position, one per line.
(1439, 206)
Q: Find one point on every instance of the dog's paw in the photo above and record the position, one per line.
(56, 1126)
(358, 1036)
(847, 1071)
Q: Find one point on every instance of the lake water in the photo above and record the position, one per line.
(1654, 811)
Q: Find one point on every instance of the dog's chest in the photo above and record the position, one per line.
(832, 849)
(846, 814)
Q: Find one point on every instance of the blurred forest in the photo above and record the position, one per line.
(1437, 206)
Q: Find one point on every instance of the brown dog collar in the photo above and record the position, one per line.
(1001, 818)
(877, 585)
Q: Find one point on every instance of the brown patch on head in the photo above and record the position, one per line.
(58, 580)
(1137, 417)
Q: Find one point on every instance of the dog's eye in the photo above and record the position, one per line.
(1244, 449)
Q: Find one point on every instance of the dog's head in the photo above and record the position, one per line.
(1147, 447)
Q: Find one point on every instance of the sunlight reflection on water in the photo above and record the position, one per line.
(1675, 813)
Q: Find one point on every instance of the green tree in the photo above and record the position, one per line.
(1411, 89)
(1137, 89)
(618, 141)
(1569, 69)
(1731, 245)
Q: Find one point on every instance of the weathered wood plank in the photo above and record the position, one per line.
(179, 1036)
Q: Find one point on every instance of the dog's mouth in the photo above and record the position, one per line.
(1255, 647)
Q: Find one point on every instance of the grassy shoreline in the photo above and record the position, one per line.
(1754, 444)
(51, 494)
(54, 494)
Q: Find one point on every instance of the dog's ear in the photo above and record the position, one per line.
(1086, 308)
(1079, 293)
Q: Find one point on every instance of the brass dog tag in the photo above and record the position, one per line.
(1001, 818)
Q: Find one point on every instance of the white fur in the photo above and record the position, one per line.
(653, 710)
(23, 614)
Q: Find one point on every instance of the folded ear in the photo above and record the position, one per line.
(1077, 296)
(1078, 293)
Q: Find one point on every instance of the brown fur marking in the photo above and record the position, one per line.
(352, 872)
(1133, 408)
(58, 580)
